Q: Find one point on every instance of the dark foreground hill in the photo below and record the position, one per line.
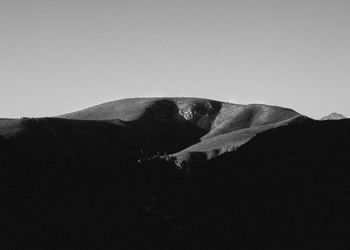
(93, 183)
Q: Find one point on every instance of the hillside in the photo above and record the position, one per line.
(79, 184)
(189, 129)
(218, 127)
(287, 188)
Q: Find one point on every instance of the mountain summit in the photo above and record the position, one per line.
(333, 116)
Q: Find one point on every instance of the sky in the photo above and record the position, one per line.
(59, 56)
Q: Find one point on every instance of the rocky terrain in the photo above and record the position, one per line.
(333, 116)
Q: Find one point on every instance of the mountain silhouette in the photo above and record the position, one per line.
(171, 173)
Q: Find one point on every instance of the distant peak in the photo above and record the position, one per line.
(333, 116)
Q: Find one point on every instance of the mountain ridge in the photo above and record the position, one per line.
(244, 176)
(215, 119)
(181, 127)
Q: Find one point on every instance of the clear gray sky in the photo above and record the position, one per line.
(58, 56)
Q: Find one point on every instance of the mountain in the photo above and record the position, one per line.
(333, 116)
(220, 127)
(171, 173)
(187, 129)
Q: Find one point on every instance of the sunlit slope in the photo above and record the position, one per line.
(186, 128)
(217, 127)
(211, 147)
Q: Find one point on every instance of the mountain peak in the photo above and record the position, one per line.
(333, 116)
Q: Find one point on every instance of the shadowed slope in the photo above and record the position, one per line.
(77, 183)
(51, 139)
(213, 116)
(57, 138)
(190, 129)
(217, 127)
(198, 111)
(287, 188)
